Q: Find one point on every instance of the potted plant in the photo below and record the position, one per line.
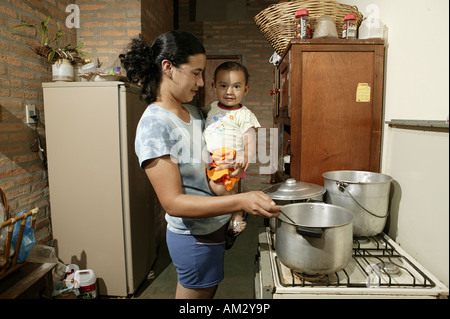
(62, 57)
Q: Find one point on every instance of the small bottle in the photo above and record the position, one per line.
(302, 25)
(350, 26)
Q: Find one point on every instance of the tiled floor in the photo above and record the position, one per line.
(239, 263)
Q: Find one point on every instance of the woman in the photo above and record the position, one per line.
(170, 149)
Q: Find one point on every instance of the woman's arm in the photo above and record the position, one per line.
(166, 181)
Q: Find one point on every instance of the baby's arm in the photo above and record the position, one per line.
(243, 159)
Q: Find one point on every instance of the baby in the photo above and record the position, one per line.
(230, 134)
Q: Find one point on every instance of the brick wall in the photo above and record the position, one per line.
(242, 38)
(108, 25)
(23, 177)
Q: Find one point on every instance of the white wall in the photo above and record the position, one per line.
(416, 87)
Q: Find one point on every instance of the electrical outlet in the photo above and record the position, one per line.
(30, 111)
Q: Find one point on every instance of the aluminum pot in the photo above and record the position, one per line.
(365, 194)
(314, 238)
(292, 191)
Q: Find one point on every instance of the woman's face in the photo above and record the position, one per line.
(187, 78)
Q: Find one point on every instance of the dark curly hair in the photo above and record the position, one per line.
(143, 63)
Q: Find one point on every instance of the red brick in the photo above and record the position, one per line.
(91, 7)
(112, 15)
(95, 24)
(10, 60)
(8, 11)
(13, 172)
(112, 33)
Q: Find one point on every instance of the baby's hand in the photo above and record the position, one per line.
(241, 161)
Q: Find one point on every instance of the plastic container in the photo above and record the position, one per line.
(350, 27)
(325, 28)
(86, 282)
(88, 68)
(302, 25)
(62, 70)
(372, 29)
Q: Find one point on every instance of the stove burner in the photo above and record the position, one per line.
(311, 278)
(390, 268)
(362, 240)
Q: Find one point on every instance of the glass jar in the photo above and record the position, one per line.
(302, 25)
(350, 27)
(325, 28)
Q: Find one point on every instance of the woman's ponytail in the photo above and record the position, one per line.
(139, 63)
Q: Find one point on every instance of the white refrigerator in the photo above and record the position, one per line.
(102, 204)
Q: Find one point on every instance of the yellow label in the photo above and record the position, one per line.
(363, 92)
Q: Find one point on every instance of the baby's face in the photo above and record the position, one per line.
(230, 87)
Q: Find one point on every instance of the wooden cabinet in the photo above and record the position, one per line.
(328, 106)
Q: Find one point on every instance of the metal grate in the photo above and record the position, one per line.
(379, 264)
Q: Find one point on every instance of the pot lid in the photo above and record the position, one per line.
(294, 190)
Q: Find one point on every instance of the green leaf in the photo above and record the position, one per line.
(46, 21)
(51, 55)
(55, 38)
(51, 42)
(23, 25)
(44, 33)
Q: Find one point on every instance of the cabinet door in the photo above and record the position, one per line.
(336, 130)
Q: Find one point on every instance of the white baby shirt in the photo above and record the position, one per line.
(225, 128)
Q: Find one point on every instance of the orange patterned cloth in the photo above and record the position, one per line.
(223, 175)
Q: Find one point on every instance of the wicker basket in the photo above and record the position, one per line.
(276, 22)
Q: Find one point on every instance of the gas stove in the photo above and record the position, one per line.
(379, 268)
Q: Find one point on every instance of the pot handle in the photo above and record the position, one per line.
(342, 186)
(311, 232)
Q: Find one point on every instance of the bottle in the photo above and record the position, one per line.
(350, 26)
(370, 29)
(302, 25)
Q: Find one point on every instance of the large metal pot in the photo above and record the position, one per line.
(293, 191)
(365, 194)
(314, 238)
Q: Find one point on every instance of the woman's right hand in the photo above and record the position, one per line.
(257, 203)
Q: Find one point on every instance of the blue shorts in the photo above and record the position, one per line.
(198, 259)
